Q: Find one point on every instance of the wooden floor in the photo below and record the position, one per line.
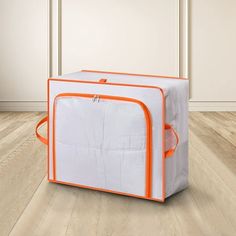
(29, 205)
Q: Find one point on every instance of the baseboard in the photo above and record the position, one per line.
(193, 106)
(23, 106)
(212, 106)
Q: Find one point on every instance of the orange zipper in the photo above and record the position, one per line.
(148, 175)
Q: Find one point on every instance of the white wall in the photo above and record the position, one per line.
(213, 52)
(23, 52)
(124, 35)
(127, 35)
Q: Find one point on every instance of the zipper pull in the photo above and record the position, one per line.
(94, 98)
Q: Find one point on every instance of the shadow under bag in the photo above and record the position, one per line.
(120, 133)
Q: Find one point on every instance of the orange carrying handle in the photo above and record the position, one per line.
(41, 138)
(171, 151)
(168, 153)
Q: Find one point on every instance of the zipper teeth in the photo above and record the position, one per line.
(148, 127)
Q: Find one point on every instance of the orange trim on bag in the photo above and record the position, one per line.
(171, 151)
(144, 75)
(127, 85)
(106, 190)
(40, 137)
(148, 181)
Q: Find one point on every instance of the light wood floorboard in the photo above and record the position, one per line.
(31, 206)
(22, 165)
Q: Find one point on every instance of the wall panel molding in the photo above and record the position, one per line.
(168, 12)
(55, 37)
(184, 38)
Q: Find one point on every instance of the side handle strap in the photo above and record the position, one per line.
(41, 138)
(171, 151)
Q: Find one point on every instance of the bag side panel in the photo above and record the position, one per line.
(177, 115)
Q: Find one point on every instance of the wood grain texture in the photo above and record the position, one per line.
(32, 206)
(22, 165)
